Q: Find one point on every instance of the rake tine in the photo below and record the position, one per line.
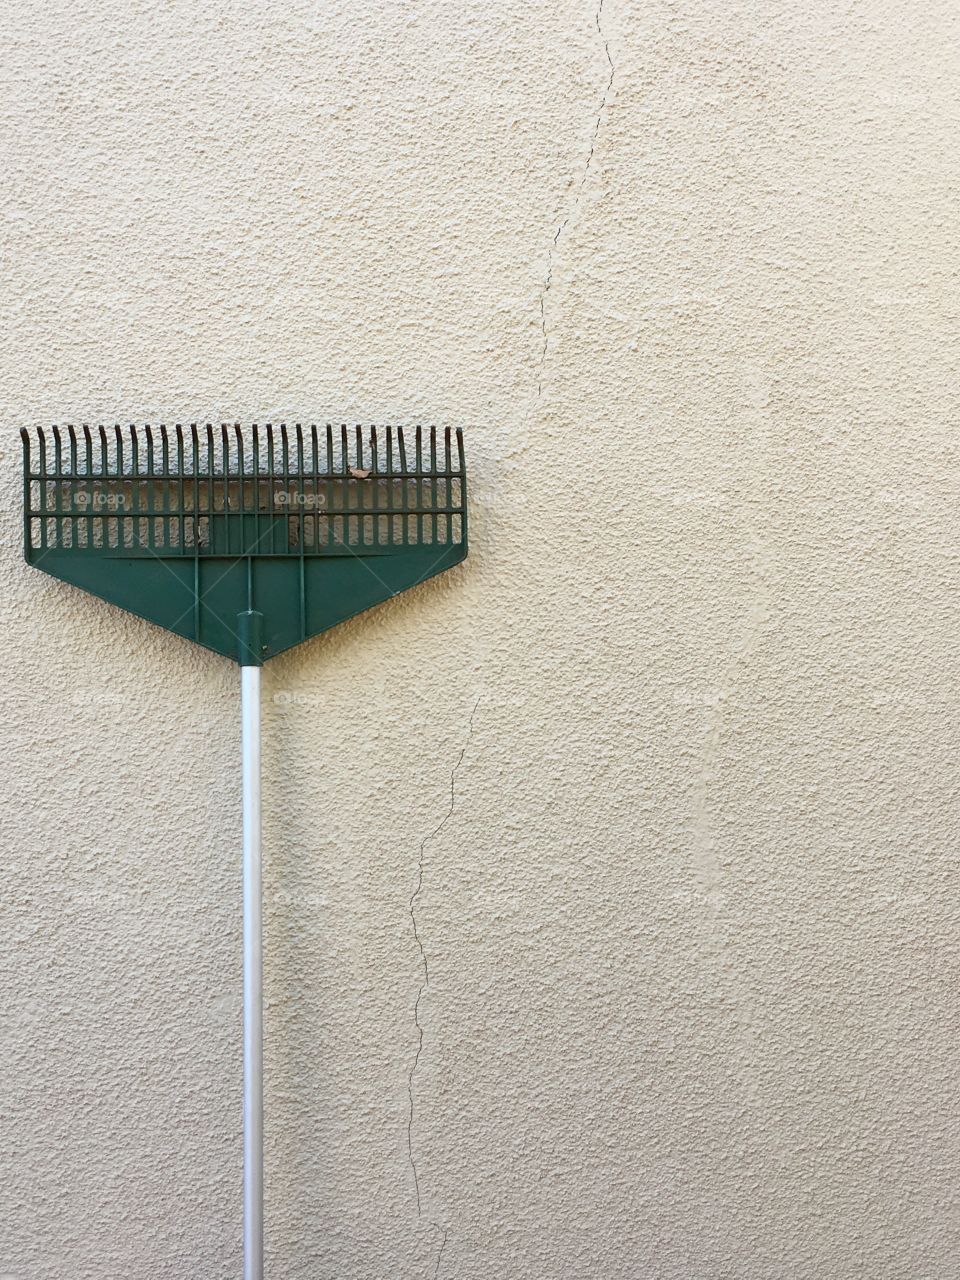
(87, 452)
(310, 522)
(388, 462)
(165, 462)
(27, 491)
(358, 432)
(181, 488)
(299, 437)
(225, 447)
(433, 483)
(122, 524)
(285, 453)
(448, 486)
(151, 531)
(58, 486)
(210, 487)
(300, 524)
(57, 471)
(375, 487)
(255, 459)
(42, 488)
(462, 488)
(328, 524)
(314, 486)
(87, 486)
(418, 523)
(242, 480)
(271, 491)
(118, 472)
(195, 461)
(74, 461)
(404, 488)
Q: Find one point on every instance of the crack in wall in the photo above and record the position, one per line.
(548, 280)
(418, 889)
(443, 1245)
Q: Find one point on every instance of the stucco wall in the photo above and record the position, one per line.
(665, 776)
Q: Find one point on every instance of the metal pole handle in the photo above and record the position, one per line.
(252, 971)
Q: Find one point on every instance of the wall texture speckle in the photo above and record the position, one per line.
(646, 818)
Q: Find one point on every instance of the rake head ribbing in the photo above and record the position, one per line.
(191, 527)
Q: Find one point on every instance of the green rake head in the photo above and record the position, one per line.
(247, 541)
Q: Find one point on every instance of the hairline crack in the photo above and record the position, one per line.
(548, 280)
(418, 889)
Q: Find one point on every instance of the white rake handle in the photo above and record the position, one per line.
(252, 979)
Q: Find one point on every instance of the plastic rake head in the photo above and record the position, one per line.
(193, 527)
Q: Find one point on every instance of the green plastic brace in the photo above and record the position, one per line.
(197, 529)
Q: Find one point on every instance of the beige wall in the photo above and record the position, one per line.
(687, 272)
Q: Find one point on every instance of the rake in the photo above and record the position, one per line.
(247, 541)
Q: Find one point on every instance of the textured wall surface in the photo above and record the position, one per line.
(612, 880)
